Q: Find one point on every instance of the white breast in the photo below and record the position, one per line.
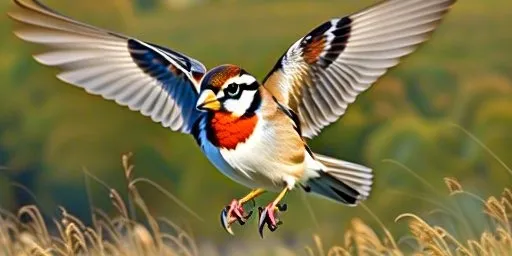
(258, 159)
(214, 155)
(258, 162)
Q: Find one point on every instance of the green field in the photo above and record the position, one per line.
(407, 125)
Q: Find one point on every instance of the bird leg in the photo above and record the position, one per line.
(268, 214)
(235, 210)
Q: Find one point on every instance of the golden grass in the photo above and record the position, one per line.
(496, 239)
(121, 235)
(124, 235)
(430, 239)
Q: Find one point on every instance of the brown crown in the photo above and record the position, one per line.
(221, 74)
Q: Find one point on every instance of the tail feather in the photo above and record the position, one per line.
(342, 181)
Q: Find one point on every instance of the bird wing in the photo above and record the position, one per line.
(323, 72)
(158, 82)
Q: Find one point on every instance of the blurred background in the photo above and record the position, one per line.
(403, 126)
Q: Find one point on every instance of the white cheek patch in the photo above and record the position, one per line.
(240, 106)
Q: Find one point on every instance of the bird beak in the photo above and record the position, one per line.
(208, 101)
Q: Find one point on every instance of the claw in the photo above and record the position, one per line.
(224, 221)
(261, 220)
(268, 217)
(231, 213)
(282, 207)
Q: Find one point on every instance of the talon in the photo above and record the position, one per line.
(225, 222)
(262, 220)
(268, 214)
(272, 228)
(282, 207)
(232, 213)
(268, 218)
(249, 214)
(241, 220)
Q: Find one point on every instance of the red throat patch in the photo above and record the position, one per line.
(227, 131)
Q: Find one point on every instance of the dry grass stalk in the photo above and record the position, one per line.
(123, 235)
(435, 240)
(453, 185)
(120, 235)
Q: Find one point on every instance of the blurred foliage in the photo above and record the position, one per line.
(50, 131)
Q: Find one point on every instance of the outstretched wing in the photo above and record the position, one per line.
(323, 72)
(160, 83)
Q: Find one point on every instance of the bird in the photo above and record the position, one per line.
(253, 131)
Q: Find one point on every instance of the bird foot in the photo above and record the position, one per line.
(234, 212)
(268, 216)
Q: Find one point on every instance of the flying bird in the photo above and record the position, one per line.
(253, 132)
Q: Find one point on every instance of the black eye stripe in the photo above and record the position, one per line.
(228, 94)
(242, 87)
(252, 87)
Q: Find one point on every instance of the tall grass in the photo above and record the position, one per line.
(448, 238)
(124, 234)
(429, 239)
(119, 235)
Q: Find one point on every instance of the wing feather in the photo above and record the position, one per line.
(158, 82)
(324, 72)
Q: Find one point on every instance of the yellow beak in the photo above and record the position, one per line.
(208, 101)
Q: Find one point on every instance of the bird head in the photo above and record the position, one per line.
(231, 89)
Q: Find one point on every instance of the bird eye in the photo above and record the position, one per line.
(232, 89)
